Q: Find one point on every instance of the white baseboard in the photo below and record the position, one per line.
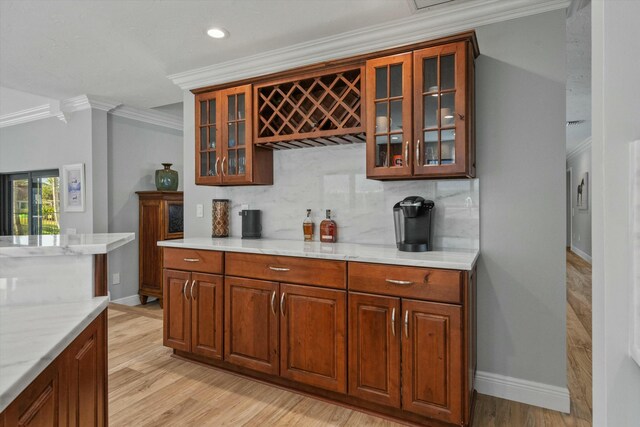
(581, 254)
(130, 300)
(523, 391)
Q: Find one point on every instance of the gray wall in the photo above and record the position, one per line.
(520, 84)
(521, 166)
(135, 151)
(581, 220)
(50, 144)
(616, 123)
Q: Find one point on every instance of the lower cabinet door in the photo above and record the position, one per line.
(206, 291)
(313, 335)
(87, 372)
(374, 348)
(177, 310)
(251, 324)
(40, 404)
(432, 360)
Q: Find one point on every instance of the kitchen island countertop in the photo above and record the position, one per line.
(33, 335)
(65, 244)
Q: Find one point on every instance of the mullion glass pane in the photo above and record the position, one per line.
(241, 132)
(232, 163)
(382, 121)
(240, 114)
(203, 138)
(381, 83)
(448, 147)
(203, 164)
(203, 112)
(447, 109)
(20, 207)
(430, 152)
(381, 151)
(395, 80)
(232, 107)
(241, 161)
(430, 75)
(396, 115)
(447, 72)
(212, 137)
(212, 164)
(430, 111)
(232, 135)
(397, 153)
(212, 111)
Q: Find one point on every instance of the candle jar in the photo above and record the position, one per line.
(220, 218)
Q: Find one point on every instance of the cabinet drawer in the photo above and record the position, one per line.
(193, 260)
(409, 282)
(332, 274)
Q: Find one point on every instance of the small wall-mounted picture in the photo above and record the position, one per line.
(73, 187)
(582, 201)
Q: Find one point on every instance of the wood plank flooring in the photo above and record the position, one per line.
(148, 387)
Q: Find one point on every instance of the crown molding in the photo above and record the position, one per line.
(579, 149)
(63, 109)
(415, 28)
(157, 118)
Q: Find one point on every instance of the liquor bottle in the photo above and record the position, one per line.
(307, 227)
(328, 229)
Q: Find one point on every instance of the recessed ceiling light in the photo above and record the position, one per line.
(217, 33)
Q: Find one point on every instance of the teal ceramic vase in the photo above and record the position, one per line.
(167, 178)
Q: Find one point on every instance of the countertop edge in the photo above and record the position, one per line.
(38, 367)
(450, 265)
(66, 250)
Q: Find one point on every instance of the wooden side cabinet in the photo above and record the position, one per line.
(160, 218)
(72, 390)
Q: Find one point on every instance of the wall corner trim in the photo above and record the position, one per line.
(524, 391)
(63, 109)
(412, 29)
(579, 149)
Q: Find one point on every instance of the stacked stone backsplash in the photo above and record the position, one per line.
(335, 178)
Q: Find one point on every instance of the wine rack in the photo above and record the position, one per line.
(311, 110)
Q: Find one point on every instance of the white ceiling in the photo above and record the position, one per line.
(124, 50)
(579, 76)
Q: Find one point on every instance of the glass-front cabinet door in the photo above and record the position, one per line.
(208, 146)
(237, 157)
(389, 118)
(440, 87)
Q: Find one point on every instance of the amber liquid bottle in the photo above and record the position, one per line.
(307, 227)
(328, 229)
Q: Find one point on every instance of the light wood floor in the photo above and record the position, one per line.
(147, 387)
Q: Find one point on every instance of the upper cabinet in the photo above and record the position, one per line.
(420, 114)
(225, 153)
(412, 105)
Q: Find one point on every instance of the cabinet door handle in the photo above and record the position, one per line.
(191, 259)
(406, 154)
(279, 268)
(273, 303)
(418, 153)
(393, 321)
(191, 290)
(406, 323)
(215, 167)
(282, 303)
(400, 282)
(184, 289)
(222, 168)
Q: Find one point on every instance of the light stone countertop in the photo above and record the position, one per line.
(455, 259)
(71, 244)
(32, 336)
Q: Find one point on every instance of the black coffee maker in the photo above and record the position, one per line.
(412, 219)
(251, 227)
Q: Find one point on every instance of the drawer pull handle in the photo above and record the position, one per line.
(393, 321)
(400, 282)
(278, 268)
(184, 289)
(282, 303)
(273, 302)
(192, 259)
(406, 323)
